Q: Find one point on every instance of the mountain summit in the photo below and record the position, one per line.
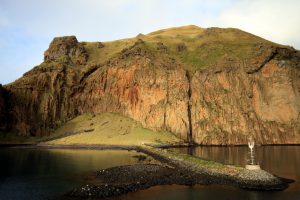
(205, 85)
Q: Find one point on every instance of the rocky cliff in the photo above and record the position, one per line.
(207, 86)
(237, 100)
(4, 110)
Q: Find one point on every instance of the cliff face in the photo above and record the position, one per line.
(212, 87)
(4, 114)
(234, 101)
(142, 86)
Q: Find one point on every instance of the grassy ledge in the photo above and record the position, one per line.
(109, 129)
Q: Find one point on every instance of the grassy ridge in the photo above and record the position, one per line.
(204, 47)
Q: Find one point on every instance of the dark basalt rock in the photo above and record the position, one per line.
(120, 180)
(181, 47)
(4, 110)
(100, 45)
(161, 47)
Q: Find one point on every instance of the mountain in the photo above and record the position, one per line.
(205, 85)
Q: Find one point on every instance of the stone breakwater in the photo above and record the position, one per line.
(175, 168)
(227, 174)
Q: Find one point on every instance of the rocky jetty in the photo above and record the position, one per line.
(120, 180)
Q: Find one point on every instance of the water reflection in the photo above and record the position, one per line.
(43, 174)
(283, 161)
(49, 173)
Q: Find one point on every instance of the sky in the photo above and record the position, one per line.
(28, 26)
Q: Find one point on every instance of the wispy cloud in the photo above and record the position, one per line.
(275, 20)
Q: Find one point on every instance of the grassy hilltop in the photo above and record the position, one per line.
(195, 47)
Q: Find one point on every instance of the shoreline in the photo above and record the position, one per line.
(219, 173)
(117, 147)
(191, 173)
(162, 146)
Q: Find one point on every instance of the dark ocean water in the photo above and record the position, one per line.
(283, 161)
(49, 173)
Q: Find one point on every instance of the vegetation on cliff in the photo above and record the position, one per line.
(110, 129)
(206, 86)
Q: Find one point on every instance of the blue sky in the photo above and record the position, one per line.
(28, 26)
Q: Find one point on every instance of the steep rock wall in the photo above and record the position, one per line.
(4, 110)
(232, 102)
(41, 99)
(136, 84)
(149, 90)
(222, 104)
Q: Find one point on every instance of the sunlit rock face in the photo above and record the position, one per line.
(220, 104)
(66, 49)
(230, 103)
(144, 90)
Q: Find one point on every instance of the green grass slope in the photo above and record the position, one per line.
(110, 129)
(200, 47)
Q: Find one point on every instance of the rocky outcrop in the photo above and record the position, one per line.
(181, 47)
(66, 49)
(100, 45)
(221, 104)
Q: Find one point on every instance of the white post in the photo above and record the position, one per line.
(251, 146)
(252, 165)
